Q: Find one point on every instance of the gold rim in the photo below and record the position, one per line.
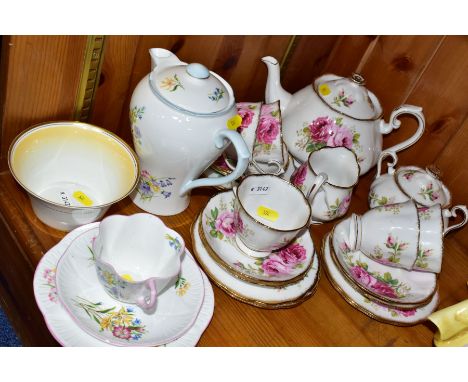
(102, 131)
(357, 306)
(369, 294)
(314, 87)
(282, 180)
(258, 303)
(331, 184)
(243, 276)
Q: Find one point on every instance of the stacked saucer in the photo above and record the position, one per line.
(386, 293)
(267, 281)
(78, 312)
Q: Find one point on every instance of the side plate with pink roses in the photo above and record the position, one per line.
(279, 268)
(384, 283)
(387, 313)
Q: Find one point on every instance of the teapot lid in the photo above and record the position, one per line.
(348, 96)
(192, 88)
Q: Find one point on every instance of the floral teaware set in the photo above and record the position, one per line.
(282, 166)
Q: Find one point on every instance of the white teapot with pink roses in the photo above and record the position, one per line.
(336, 112)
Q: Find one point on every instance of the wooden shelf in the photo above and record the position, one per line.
(325, 319)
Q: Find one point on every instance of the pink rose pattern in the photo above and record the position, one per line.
(268, 137)
(326, 132)
(49, 276)
(299, 176)
(339, 208)
(396, 247)
(224, 224)
(429, 193)
(246, 111)
(383, 285)
(284, 261)
(267, 130)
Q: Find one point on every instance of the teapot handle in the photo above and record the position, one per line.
(394, 123)
(391, 166)
(243, 156)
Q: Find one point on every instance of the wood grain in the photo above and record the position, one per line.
(347, 54)
(437, 92)
(429, 71)
(43, 74)
(307, 61)
(325, 319)
(114, 83)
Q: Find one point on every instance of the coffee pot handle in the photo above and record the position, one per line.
(391, 166)
(453, 213)
(243, 156)
(394, 123)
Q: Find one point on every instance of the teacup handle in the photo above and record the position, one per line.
(394, 123)
(243, 155)
(319, 181)
(142, 301)
(391, 166)
(271, 162)
(453, 213)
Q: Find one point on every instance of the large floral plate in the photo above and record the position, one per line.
(385, 313)
(257, 295)
(278, 268)
(64, 328)
(123, 324)
(388, 284)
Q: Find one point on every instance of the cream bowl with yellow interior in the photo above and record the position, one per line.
(72, 171)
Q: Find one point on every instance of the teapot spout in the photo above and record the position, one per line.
(162, 57)
(274, 91)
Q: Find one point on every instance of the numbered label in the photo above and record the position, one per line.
(267, 213)
(234, 122)
(81, 197)
(260, 190)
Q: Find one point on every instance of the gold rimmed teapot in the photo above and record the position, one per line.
(336, 111)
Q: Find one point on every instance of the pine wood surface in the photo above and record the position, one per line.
(39, 80)
(325, 319)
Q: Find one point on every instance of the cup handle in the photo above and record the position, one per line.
(274, 162)
(453, 213)
(316, 187)
(391, 166)
(394, 123)
(142, 303)
(243, 155)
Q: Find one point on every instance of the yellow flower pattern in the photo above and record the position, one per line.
(171, 83)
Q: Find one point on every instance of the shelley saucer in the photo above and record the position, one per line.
(378, 311)
(218, 235)
(66, 331)
(257, 295)
(123, 324)
(388, 284)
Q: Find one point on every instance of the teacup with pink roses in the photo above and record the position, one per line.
(261, 130)
(269, 213)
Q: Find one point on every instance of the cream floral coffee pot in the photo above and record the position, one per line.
(182, 118)
(336, 111)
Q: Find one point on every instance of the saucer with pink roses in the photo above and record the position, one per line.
(293, 269)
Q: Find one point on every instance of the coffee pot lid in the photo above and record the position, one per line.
(349, 96)
(192, 88)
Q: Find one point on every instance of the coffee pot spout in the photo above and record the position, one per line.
(274, 91)
(162, 57)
